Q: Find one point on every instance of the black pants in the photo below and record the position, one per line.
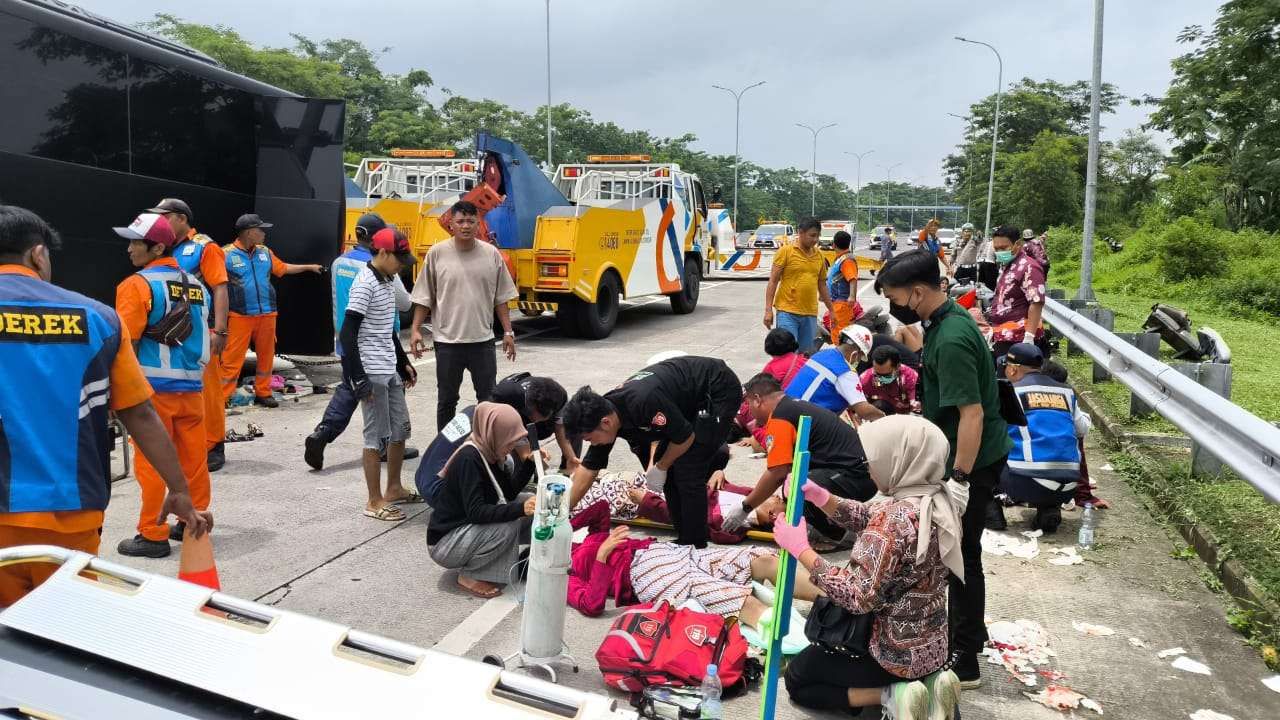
(820, 679)
(479, 358)
(851, 483)
(337, 414)
(686, 488)
(967, 601)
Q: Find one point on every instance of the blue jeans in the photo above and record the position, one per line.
(337, 414)
(803, 327)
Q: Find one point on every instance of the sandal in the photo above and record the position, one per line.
(255, 430)
(412, 498)
(390, 513)
(233, 436)
(486, 595)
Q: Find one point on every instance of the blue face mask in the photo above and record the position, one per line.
(1004, 257)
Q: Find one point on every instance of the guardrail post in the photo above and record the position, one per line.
(1105, 318)
(1149, 344)
(1057, 293)
(1082, 307)
(1215, 377)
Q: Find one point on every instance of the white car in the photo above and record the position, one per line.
(947, 238)
(772, 236)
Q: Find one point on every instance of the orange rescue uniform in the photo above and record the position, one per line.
(261, 329)
(213, 268)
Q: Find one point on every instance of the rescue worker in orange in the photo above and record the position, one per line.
(166, 310)
(55, 481)
(842, 284)
(197, 254)
(929, 241)
(250, 267)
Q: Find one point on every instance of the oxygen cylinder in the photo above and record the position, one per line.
(547, 588)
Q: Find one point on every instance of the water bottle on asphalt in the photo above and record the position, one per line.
(711, 689)
(1086, 528)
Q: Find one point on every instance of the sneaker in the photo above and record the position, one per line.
(905, 701)
(995, 517)
(266, 401)
(1047, 519)
(217, 457)
(138, 546)
(176, 531)
(314, 452)
(944, 695)
(967, 672)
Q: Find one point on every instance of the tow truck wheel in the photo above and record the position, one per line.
(599, 317)
(567, 315)
(684, 302)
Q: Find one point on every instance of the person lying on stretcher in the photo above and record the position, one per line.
(627, 499)
(613, 563)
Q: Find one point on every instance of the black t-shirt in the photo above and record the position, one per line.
(510, 391)
(833, 443)
(661, 403)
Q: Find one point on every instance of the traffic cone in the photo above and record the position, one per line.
(196, 564)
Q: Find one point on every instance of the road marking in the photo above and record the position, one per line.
(461, 639)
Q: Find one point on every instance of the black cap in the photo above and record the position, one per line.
(250, 220)
(1025, 354)
(173, 205)
(371, 223)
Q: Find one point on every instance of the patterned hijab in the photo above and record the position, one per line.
(907, 457)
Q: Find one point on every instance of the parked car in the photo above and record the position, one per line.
(947, 237)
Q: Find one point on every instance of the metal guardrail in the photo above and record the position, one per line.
(1241, 440)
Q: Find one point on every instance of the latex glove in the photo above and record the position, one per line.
(959, 493)
(735, 519)
(815, 493)
(655, 478)
(792, 538)
(1029, 338)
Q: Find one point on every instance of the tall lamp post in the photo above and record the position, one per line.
(857, 190)
(888, 178)
(813, 176)
(1085, 293)
(549, 165)
(968, 196)
(995, 126)
(737, 126)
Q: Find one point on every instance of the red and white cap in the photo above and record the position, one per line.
(150, 227)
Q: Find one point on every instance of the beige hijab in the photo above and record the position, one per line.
(907, 457)
(494, 426)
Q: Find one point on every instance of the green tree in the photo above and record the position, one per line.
(1041, 185)
(1130, 170)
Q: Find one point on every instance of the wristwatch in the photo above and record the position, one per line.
(509, 333)
(960, 476)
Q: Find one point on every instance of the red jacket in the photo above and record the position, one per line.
(592, 582)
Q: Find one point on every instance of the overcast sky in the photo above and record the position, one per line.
(886, 72)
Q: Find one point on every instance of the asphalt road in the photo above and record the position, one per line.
(296, 538)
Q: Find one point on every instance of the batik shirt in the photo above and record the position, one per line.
(1020, 286)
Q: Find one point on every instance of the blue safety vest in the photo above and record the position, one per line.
(175, 369)
(836, 283)
(815, 381)
(249, 288)
(189, 253)
(344, 270)
(1047, 446)
(56, 351)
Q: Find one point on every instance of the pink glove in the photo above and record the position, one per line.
(815, 493)
(792, 538)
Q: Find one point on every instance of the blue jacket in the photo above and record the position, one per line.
(249, 288)
(827, 380)
(56, 351)
(175, 369)
(1048, 445)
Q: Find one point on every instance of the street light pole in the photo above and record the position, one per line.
(737, 127)
(813, 175)
(995, 126)
(968, 196)
(888, 177)
(857, 191)
(549, 165)
(1085, 292)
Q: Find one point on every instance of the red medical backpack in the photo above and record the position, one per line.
(659, 645)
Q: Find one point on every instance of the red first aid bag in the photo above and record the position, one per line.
(659, 645)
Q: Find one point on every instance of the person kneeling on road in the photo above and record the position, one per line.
(648, 571)
(836, 458)
(379, 371)
(829, 380)
(890, 381)
(1044, 465)
(342, 405)
(897, 573)
(685, 403)
(481, 518)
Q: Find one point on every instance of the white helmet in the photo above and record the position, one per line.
(858, 336)
(664, 355)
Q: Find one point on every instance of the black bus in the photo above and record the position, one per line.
(99, 121)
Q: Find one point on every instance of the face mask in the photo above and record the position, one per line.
(1004, 257)
(885, 379)
(904, 314)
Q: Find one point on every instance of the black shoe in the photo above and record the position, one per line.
(409, 454)
(995, 517)
(266, 401)
(176, 530)
(1047, 519)
(138, 546)
(217, 457)
(314, 453)
(968, 672)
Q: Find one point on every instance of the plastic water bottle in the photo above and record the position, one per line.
(711, 689)
(1086, 528)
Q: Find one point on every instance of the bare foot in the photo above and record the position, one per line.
(479, 588)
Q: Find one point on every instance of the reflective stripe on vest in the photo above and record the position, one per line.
(815, 381)
(249, 287)
(1046, 447)
(56, 350)
(181, 368)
